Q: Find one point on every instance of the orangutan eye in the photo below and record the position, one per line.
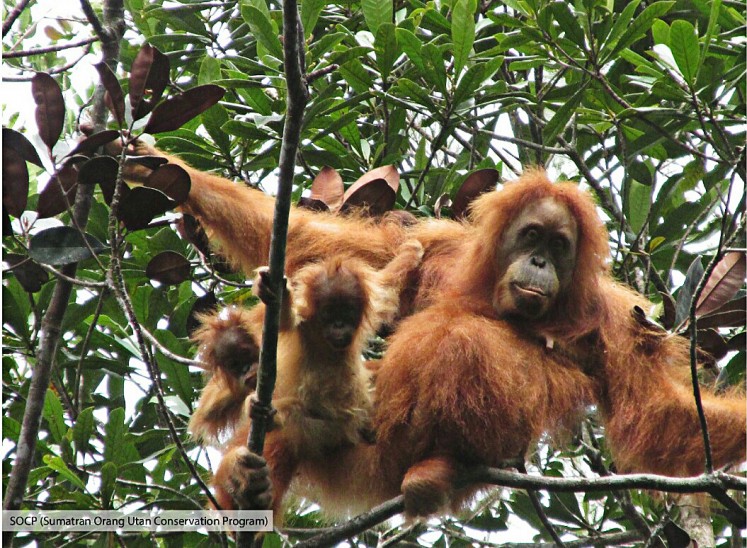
(559, 243)
(531, 234)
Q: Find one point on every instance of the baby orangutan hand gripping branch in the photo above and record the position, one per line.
(322, 393)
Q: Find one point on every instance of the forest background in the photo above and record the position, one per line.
(643, 102)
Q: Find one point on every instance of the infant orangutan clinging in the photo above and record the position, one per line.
(322, 391)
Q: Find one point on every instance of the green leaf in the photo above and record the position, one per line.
(635, 30)
(469, 83)
(568, 22)
(386, 49)
(209, 71)
(463, 32)
(639, 203)
(558, 122)
(244, 130)
(59, 466)
(357, 76)
(83, 430)
(213, 120)
(712, 25)
(63, 245)
(54, 415)
(108, 483)
(412, 46)
(310, 10)
(660, 32)
(683, 41)
(435, 72)
(622, 23)
(117, 448)
(177, 374)
(376, 13)
(263, 30)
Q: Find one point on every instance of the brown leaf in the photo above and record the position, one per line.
(443, 201)
(151, 162)
(725, 280)
(149, 76)
(376, 196)
(141, 205)
(172, 180)
(203, 304)
(107, 189)
(19, 143)
(169, 268)
(15, 182)
(59, 192)
(475, 184)
(713, 343)
(313, 205)
(670, 310)
(29, 274)
(388, 173)
(172, 113)
(7, 225)
(327, 187)
(50, 108)
(101, 169)
(89, 144)
(731, 314)
(376, 190)
(114, 96)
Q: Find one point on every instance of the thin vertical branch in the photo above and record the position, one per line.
(694, 343)
(296, 98)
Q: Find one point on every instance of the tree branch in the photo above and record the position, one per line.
(297, 95)
(714, 484)
(52, 321)
(49, 49)
(14, 14)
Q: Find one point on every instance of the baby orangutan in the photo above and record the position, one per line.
(322, 393)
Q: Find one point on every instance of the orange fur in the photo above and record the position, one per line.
(322, 393)
(461, 384)
(651, 419)
(221, 404)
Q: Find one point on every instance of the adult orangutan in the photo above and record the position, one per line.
(526, 327)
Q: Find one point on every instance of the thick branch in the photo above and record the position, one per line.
(296, 101)
(714, 484)
(14, 14)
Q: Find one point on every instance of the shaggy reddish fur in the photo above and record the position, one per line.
(459, 383)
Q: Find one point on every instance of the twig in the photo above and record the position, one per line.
(98, 28)
(13, 15)
(540, 511)
(694, 350)
(49, 49)
(711, 483)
